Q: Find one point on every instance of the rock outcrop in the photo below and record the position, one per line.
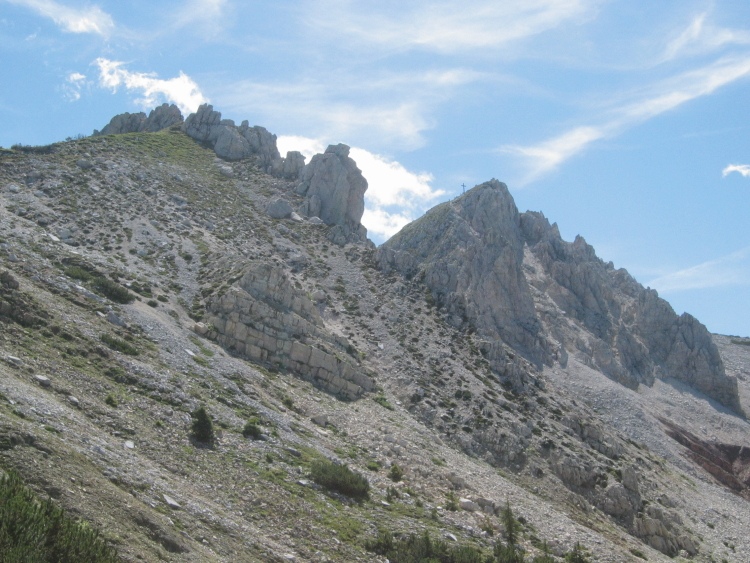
(226, 139)
(511, 278)
(469, 253)
(237, 143)
(266, 319)
(634, 335)
(159, 118)
(334, 190)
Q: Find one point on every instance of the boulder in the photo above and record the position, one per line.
(230, 145)
(279, 209)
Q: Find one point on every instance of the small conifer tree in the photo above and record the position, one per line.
(203, 428)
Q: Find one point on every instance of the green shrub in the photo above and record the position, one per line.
(119, 345)
(396, 473)
(112, 290)
(111, 401)
(383, 402)
(78, 273)
(251, 430)
(340, 478)
(417, 549)
(34, 531)
(203, 428)
(577, 555)
(451, 502)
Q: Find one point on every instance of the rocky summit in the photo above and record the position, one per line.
(203, 358)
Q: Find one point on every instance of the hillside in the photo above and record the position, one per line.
(165, 265)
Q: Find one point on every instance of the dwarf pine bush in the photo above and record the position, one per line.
(340, 478)
(35, 531)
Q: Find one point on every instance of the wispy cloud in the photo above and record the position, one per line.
(733, 269)
(208, 15)
(743, 169)
(701, 37)
(395, 195)
(632, 109)
(91, 19)
(444, 27)
(388, 109)
(72, 86)
(182, 90)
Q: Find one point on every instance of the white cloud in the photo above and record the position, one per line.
(73, 84)
(548, 155)
(308, 147)
(743, 169)
(91, 19)
(391, 183)
(390, 110)
(382, 225)
(635, 108)
(395, 195)
(703, 37)
(205, 14)
(182, 90)
(444, 27)
(733, 269)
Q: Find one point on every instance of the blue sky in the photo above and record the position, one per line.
(624, 121)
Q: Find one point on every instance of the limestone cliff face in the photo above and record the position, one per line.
(512, 279)
(265, 318)
(634, 335)
(469, 253)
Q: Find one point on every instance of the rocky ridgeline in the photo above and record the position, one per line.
(635, 336)
(491, 269)
(158, 118)
(265, 318)
(332, 185)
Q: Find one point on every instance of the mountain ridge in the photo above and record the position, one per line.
(232, 288)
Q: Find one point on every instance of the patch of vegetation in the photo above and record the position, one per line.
(383, 402)
(340, 478)
(112, 290)
(396, 473)
(414, 548)
(202, 429)
(34, 531)
(119, 345)
(78, 273)
(451, 501)
(252, 430)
